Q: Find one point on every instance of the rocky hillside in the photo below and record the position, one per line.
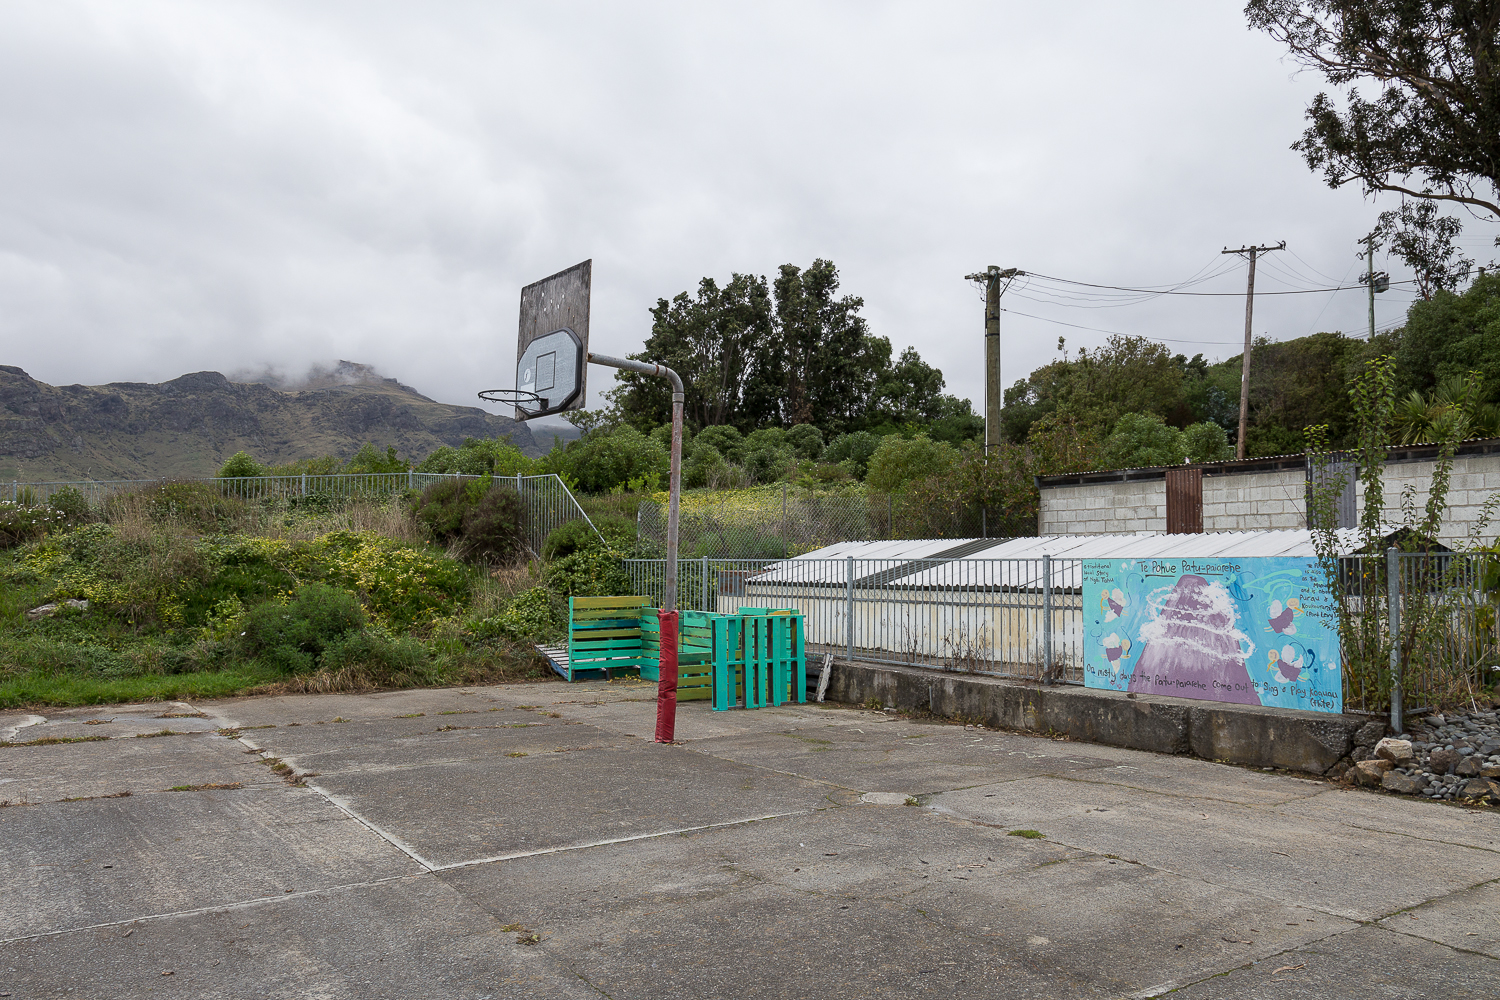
(190, 425)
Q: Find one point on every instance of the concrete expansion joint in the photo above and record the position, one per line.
(243, 904)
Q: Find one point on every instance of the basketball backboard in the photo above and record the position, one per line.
(552, 343)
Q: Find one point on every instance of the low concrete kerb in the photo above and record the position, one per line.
(1313, 742)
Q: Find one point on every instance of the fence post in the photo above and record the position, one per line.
(786, 543)
(890, 516)
(1393, 599)
(304, 484)
(849, 611)
(1046, 619)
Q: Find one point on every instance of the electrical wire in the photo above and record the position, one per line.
(1216, 295)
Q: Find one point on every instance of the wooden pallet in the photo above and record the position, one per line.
(604, 636)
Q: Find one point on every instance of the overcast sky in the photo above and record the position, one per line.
(227, 186)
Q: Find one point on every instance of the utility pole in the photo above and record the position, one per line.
(1378, 281)
(996, 281)
(1239, 451)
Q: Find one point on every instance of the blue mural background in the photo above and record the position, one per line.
(1254, 630)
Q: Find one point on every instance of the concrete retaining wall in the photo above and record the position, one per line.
(1265, 737)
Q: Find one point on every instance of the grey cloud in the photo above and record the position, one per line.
(234, 185)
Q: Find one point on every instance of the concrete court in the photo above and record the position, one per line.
(530, 841)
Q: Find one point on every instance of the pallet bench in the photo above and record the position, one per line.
(717, 653)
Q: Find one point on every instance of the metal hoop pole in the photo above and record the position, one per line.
(666, 696)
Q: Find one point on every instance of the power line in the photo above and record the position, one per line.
(1151, 292)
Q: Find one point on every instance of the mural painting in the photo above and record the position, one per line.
(1252, 630)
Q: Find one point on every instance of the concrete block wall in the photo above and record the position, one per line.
(1261, 501)
(1104, 508)
(1255, 501)
(1473, 481)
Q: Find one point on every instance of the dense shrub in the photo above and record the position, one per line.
(479, 518)
(21, 523)
(592, 573)
(532, 614)
(579, 536)
(71, 507)
(195, 505)
(582, 565)
(295, 635)
(621, 459)
(853, 451)
(240, 464)
(400, 585)
(807, 441)
(899, 461)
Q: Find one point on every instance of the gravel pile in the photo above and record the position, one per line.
(1443, 757)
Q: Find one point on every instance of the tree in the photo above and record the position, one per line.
(1433, 130)
(1424, 240)
(1126, 375)
(1451, 336)
(1140, 440)
(713, 341)
(754, 353)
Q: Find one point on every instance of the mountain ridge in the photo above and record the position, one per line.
(188, 426)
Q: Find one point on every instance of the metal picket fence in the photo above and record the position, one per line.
(1023, 618)
(1018, 618)
(546, 501)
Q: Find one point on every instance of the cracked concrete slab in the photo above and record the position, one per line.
(1326, 865)
(748, 860)
(75, 864)
(129, 764)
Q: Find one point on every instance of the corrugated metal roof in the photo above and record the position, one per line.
(1138, 545)
(1016, 563)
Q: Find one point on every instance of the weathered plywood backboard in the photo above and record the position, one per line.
(553, 340)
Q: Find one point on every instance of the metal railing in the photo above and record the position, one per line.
(1023, 618)
(1019, 618)
(1440, 607)
(546, 502)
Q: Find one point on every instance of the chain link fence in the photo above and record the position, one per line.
(781, 520)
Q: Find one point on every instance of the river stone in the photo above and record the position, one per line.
(1370, 772)
(1469, 767)
(1396, 751)
(1479, 788)
(1443, 761)
(1395, 781)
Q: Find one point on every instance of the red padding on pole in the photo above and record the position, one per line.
(666, 685)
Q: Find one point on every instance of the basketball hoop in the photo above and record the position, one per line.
(524, 400)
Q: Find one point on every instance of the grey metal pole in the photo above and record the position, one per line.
(674, 494)
(849, 611)
(1393, 598)
(1047, 618)
(704, 573)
